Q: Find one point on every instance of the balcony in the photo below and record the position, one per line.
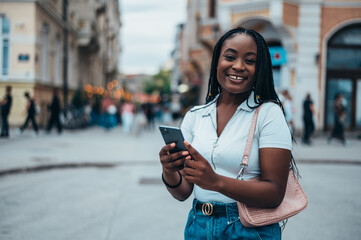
(85, 32)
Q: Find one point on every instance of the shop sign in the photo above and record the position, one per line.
(278, 56)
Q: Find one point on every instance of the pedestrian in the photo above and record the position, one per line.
(55, 111)
(308, 124)
(216, 134)
(128, 111)
(150, 115)
(288, 109)
(167, 116)
(339, 112)
(108, 113)
(5, 111)
(140, 120)
(31, 112)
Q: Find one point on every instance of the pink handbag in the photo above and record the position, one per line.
(294, 201)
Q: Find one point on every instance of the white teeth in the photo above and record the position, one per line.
(235, 77)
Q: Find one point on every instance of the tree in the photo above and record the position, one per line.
(158, 83)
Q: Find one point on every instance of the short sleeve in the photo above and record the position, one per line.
(273, 129)
(187, 127)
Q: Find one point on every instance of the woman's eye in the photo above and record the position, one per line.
(229, 57)
(250, 61)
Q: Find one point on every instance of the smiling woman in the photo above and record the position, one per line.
(216, 135)
(237, 65)
(148, 33)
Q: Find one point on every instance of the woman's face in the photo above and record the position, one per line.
(237, 64)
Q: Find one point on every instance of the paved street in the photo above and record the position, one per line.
(93, 184)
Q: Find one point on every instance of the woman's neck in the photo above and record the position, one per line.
(233, 100)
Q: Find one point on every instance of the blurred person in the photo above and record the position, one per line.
(55, 111)
(175, 109)
(308, 124)
(127, 116)
(31, 112)
(167, 116)
(95, 112)
(108, 112)
(216, 133)
(140, 119)
(158, 112)
(149, 111)
(5, 111)
(287, 103)
(339, 112)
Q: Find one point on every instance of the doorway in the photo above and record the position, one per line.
(344, 75)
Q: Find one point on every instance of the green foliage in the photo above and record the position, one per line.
(158, 83)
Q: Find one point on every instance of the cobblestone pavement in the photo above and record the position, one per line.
(93, 184)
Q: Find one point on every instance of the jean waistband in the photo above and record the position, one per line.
(215, 208)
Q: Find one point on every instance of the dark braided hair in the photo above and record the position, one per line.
(263, 85)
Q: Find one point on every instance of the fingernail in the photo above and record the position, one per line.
(185, 153)
(172, 144)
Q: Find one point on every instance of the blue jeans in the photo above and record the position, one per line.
(226, 226)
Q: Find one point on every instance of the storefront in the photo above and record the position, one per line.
(343, 74)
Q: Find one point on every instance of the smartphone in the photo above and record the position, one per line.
(173, 135)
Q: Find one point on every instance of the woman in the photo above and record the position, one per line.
(216, 133)
(339, 112)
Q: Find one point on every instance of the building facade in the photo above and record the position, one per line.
(56, 44)
(315, 46)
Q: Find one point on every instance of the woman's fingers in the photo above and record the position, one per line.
(172, 162)
(175, 165)
(166, 149)
(193, 152)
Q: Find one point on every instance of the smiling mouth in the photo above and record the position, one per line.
(235, 77)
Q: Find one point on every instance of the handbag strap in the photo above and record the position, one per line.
(247, 150)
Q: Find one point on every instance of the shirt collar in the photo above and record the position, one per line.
(211, 106)
(251, 104)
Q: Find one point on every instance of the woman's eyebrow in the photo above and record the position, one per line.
(235, 51)
(230, 50)
(251, 53)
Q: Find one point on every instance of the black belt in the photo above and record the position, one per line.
(210, 209)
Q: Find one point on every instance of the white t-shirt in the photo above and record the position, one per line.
(225, 152)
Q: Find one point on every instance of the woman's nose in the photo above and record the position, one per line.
(238, 65)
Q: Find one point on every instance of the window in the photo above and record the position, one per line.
(344, 49)
(57, 62)
(4, 46)
(44, 52)
(212, 8)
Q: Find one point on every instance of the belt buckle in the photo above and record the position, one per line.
(207, 209)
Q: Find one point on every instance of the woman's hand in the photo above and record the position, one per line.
(172, 162)
(197, 170)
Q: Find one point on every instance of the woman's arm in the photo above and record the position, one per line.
(172, 164)
(267, 192)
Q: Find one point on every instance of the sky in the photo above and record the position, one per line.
(148, 33)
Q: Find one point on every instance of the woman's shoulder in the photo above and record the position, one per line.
(270, 106)
(270, 111)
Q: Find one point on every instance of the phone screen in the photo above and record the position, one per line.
(173, 135)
